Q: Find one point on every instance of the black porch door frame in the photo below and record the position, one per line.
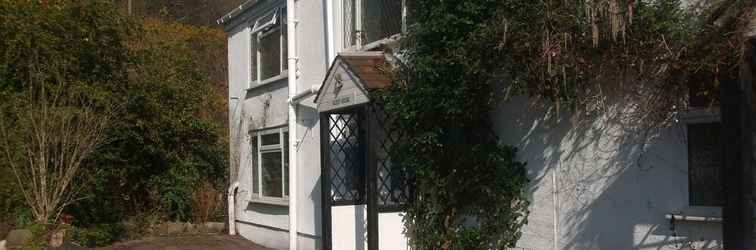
(370, 181)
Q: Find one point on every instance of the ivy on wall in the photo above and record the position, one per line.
(469, 189)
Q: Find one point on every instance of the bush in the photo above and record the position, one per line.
(96, 236)
(168, 135)
(205, 202)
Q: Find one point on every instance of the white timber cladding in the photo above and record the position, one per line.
(341, 89)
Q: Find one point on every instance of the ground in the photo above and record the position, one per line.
(200, 242)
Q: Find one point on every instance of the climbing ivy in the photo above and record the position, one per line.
(457, 55)
(468, 188)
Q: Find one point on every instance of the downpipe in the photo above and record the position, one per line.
(291, 27)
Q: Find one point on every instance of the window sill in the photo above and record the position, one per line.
(700, 115)
(697, 214)
(282, 202)
(375, 44)
(263, 83)
(692, 218)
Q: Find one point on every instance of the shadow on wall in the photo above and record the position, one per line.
(604, 181)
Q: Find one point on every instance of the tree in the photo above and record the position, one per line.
(55, 132)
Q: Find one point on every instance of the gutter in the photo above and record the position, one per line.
(236, 11)
(291, 27)
(304, 94)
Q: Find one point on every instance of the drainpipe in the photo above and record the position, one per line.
(291, 27)
(232, 208)
(329, 32)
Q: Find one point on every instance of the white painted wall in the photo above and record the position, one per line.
(391, 232)
(593, 188)
(262, 223)
(349, 227)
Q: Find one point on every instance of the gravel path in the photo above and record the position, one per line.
(200, 242)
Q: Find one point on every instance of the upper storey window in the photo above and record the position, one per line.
(269, 49)
(368, 22)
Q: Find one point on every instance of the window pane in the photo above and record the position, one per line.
(381, 19)
(346, 160)
(705, 164)
(271, 174)
(254, 162)
(286, 163)
(284, 45)
(253, 57)
(270, 54)
(271, 139)
(350, 11)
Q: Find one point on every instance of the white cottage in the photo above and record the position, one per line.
(310, 170)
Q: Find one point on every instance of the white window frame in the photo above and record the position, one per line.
(281, 147)
(263, 27)
(359, 45)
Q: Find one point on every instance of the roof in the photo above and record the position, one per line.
(236, 11)
(373, 69)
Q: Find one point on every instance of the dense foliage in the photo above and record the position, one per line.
(191, 12)
(656, 54)
(575, 53)
(162, 78)
(469, 190)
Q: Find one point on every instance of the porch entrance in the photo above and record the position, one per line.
(362, 189)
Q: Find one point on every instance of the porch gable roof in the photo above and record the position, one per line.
(351, 77)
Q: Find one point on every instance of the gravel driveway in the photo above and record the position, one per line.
(199, 242)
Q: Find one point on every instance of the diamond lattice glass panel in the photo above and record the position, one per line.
(253, 162)
(393, 188)
(381, 19)
(350, 29)
(270, 54)
(271, 174)
(346, 158)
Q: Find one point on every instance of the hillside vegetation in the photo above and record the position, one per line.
(158, 77)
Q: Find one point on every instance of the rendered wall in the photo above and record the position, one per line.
(266, 106)
(592, 187)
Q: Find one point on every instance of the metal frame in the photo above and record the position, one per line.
(370, 196)
(374, 135)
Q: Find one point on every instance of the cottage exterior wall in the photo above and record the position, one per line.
(266, 106)
(594, 187)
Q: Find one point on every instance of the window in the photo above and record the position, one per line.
(369, 21)
(346, 158)
(705, 165)
(269, 49)
(270, 164)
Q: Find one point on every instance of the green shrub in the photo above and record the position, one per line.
(168, 135)
(96, 236)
